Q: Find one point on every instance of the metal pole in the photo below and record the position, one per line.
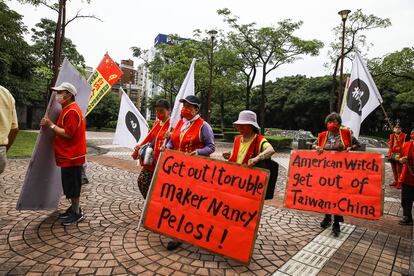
(210, 87)
(342, 66)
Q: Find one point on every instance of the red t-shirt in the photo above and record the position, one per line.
(407, 173)
(71, 152)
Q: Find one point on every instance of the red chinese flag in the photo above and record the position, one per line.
(109, 70)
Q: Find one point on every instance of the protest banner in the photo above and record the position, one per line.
(342, 183)
(101, 81)
(209, 203)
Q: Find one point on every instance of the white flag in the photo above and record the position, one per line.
(131, 128)
(186, 89)
(361, 96)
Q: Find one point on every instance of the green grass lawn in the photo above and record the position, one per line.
(23, 145)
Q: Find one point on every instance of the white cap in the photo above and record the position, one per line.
(247, 117)
(66, 86)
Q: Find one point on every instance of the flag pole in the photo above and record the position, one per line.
(386, 116)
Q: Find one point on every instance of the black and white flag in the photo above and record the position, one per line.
(361, 96)
(131, 127)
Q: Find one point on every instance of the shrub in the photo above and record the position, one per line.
(217, 130)
(279, 142)
(229, 136)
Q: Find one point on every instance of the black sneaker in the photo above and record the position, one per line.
(406, 221)
(326, 222)
(173, 245)
(65, 214)
(73, 219)
(336, 229)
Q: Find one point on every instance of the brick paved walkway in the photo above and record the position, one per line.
(107, 242)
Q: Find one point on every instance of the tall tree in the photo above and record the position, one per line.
(274, 46)
(43, 39)
(356, 26)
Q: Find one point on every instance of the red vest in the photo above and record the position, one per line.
(158, 133)
(407, 173)
(71, 152)
(396, 143)
(190, 139)
(344, 133)
(253, 150)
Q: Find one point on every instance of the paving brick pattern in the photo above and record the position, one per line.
(368, 252)
(107, 242)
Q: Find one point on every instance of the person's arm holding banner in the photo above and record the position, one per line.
(70, 126)
(207, 136)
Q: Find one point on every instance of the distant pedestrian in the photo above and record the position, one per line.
(407, 180)
(8, 124)
(70, 149)
(396, 143)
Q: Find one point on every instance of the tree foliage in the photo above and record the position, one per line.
(273, 47)
(355, 40)
(43, 39)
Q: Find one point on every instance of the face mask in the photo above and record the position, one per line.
(61, 99)
(244, 130)
(332, 126)
(161, 115)
(187, 113)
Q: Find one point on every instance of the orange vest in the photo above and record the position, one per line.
(407, 173)
(190, 139)
(158, 132)
(71, 152)
(253, 150)
(344, 133)
(396, 143)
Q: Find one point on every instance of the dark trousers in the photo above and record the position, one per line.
(407, 199)
(337, 218)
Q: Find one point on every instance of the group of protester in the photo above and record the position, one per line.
(400, 155)
(194, 136)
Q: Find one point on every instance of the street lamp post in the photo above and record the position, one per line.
(344, 16)
(212, 34)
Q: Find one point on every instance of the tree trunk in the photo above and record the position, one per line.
(222, 112)
(262, 102)
(57, 47)
(248, 89)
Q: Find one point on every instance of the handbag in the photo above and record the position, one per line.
(394, 157)
(146, 152)
(273, 167)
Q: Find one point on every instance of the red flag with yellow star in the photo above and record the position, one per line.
(101, 81)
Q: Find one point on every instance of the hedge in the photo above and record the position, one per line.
(277, 142)
(217, 130)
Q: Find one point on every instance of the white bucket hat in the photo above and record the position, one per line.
(66, 86)
(247, 117)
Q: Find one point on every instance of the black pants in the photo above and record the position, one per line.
(337, 218)
(72, 181)
(407, 199)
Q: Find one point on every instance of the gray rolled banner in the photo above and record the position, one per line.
(42, 186)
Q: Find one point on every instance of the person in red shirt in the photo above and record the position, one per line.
(407, 180)
(396, 143)
(70, 148)
(156, 139)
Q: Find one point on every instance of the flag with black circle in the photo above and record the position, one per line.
(361, 96)
(131, 127)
